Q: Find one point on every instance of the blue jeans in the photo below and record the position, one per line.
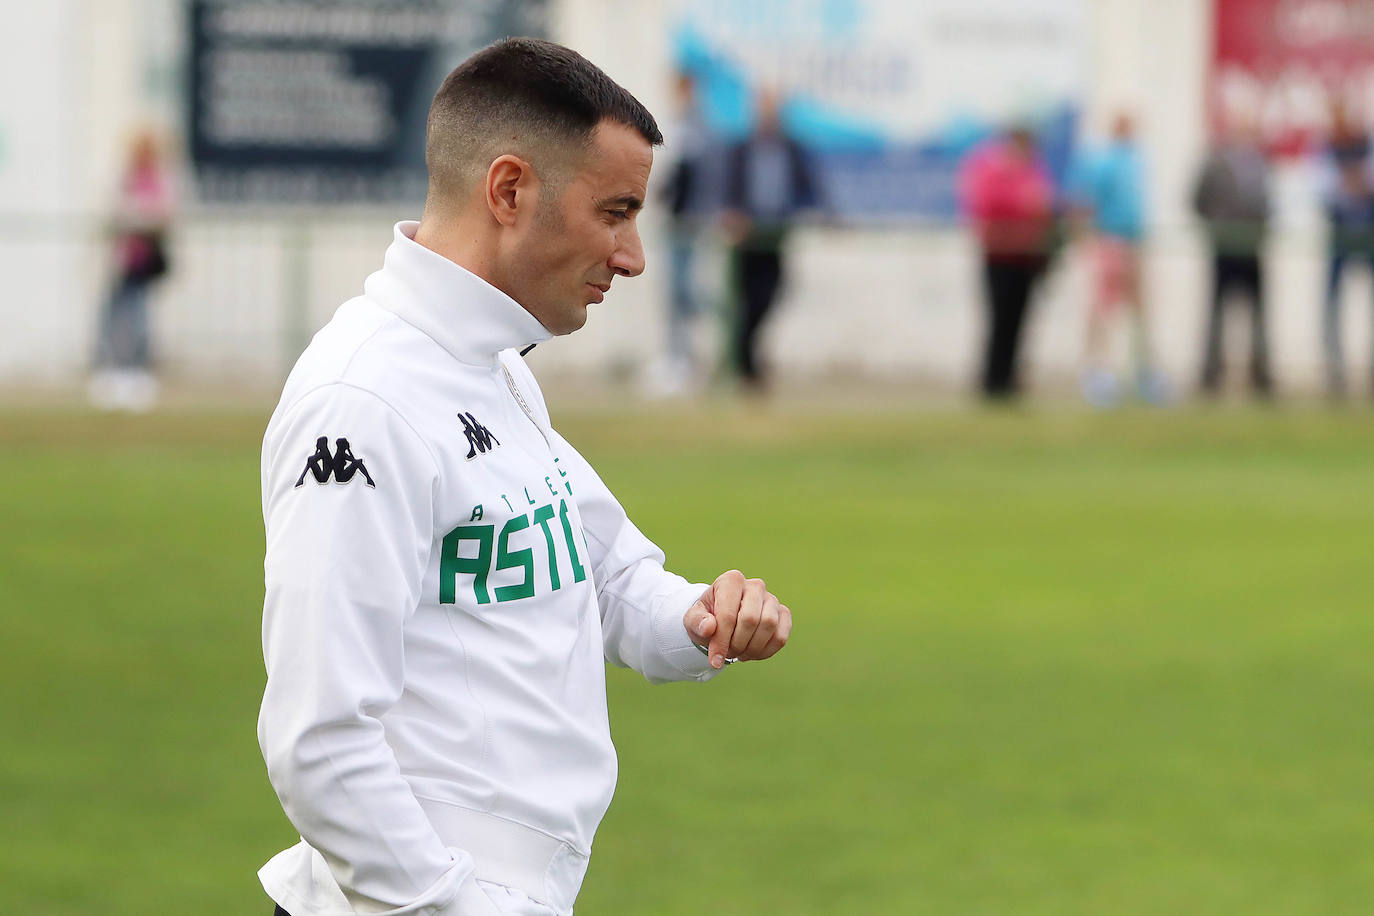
(683, 301)
(123, 340)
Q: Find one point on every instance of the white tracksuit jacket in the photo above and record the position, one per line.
(443, 590)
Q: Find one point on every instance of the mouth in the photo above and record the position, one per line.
(599, 290)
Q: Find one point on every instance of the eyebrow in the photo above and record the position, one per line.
(627, 201)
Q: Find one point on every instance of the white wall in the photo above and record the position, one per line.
(39, 133)
(888, 303)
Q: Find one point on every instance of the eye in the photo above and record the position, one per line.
(619, 214)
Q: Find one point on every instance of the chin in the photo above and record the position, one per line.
(571, 322)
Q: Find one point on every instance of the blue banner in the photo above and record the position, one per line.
(888, 96)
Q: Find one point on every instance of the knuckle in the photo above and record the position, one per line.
(749, 619)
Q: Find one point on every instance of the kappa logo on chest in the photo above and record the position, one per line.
(480, 439)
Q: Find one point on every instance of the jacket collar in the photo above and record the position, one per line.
(463, 313)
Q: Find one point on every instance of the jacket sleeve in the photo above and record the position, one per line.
(1205, 189)
(343, 572)
(641, 603)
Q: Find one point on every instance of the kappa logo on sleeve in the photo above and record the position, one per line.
(341, 465)
(480, 439)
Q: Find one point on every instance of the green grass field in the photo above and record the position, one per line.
(1044, 663)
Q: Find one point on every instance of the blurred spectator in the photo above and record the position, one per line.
(1348, 198)
(1107, 190)
(690, 194)
(1006, 191)
(123, 378)
(1232, 197)
(769, 181)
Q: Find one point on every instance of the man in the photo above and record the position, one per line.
(1346, 174)
(768, 183)
(1232, 197)
(434, 720)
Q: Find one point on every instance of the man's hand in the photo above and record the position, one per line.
(738, 618)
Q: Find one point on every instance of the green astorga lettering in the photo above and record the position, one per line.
(452, 563)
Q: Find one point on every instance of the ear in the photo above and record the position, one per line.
(511, 185)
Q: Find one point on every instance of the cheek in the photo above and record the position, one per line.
(544, 256)
(573, 254)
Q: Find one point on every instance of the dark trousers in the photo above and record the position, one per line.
(280, 912)
(1241, 273)
(1331, 318)
(1009, 283)
(758, 274)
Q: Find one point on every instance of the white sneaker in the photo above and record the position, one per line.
(1100, 388)
(1154, 388)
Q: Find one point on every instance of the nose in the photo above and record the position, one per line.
(628, 257)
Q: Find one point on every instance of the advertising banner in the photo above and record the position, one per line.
(324, 101)
(1280, 63)
(888, 95)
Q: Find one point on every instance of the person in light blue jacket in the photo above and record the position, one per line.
(1107, 196)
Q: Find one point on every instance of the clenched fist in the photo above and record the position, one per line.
(738, 618)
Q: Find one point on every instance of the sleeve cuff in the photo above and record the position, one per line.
(672, 640)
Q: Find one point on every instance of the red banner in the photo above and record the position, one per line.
(1280, 64)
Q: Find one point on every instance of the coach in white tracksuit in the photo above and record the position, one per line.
(445, 575)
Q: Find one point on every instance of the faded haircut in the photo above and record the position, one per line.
(526, 97)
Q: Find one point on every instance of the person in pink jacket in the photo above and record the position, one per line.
(1008, 197)
(123, 362)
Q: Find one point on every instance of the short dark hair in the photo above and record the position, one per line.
(524, 96)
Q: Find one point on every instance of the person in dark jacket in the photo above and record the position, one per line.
(1347, 193)
(1232, 197)
(769, 181)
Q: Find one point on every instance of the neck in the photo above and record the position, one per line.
(460, 240)
(469, 240)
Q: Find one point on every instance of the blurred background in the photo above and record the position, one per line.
(289, 139)
(1104, 651)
